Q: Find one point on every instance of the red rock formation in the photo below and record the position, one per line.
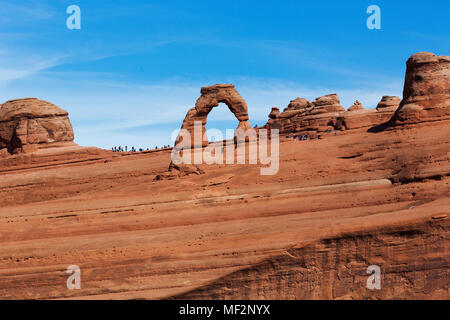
(297, 107)
(211, 97)
(308, 117)
(388, 103)
(325, 113)
(26, 124)
(356, 106)
(298, 104)
(365, 118)
(321, 270)
(426, 93)
(326, 104)
(275, 113)
(357, 117)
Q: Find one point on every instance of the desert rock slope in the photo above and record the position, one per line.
(375, 193)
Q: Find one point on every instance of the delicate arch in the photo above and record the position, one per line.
(210, 98)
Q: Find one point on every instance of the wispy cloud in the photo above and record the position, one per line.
(14, 65)
(14, 13)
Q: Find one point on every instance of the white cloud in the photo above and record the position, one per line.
(15, 13)
(14, 66)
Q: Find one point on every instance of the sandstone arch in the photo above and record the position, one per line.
(210, 98)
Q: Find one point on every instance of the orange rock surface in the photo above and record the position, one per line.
(337, 206)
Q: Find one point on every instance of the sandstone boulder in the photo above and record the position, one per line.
(356, 106)
(426, 92)
(297, 107)
(275, 113)
(388, 103)
(298, 104)
(26, 124)
(365, 118)
(326, 104)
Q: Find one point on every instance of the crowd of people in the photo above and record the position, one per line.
(301, 137)
(306, 137)
(133, 149)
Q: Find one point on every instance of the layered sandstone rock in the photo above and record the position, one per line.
(298, 104)
(311, 231)
(357, 117)
(26, 124)
(365, 118)
(326, 113)
(275, 113)
(426, 92)
(176, 171)
(308, 117)
(388, 103)
(356, 106)
(326, 104)
(211, 97)
(297, 107)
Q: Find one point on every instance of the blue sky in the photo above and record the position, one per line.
(131, 73)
